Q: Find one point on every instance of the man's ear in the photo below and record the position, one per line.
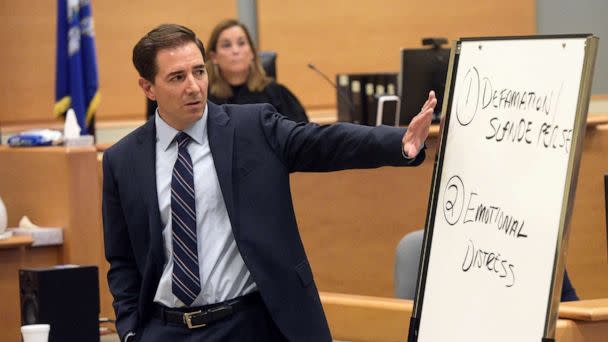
(148, 88)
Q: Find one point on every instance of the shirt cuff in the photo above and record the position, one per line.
(129, 337)
(408, 157)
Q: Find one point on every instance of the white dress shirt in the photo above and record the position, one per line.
(223, 273)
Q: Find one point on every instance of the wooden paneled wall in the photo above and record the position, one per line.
(27, 57)
(344, 36)
(351, 222)
(337, 36)
(587, 258)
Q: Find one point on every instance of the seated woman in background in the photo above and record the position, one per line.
(568, 291)
(236, 75)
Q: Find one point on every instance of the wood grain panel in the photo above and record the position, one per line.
(376, 319)
(585, 310)
(120, 24)
(587, 251)
(351, 222)
(53, 186)
(338, 36)
(366, 36)
(27, 58)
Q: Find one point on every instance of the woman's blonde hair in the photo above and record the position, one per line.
(218, 86)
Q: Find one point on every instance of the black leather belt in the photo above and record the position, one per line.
(198, 317)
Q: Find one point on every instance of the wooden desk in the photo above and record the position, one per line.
(377, 319)
(53, 186)
(16, 242)
(367, 318)
(585, 310)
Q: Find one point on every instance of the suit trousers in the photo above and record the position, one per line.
(252, 323)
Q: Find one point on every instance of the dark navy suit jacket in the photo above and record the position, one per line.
(254, 150)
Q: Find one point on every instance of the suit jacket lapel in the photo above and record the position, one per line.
(145, 167)
(220, 132)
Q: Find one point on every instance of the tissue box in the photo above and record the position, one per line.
(46, 236)
(83, 140)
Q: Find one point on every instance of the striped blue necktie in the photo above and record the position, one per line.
(186, 281)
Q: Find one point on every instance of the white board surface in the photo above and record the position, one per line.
(501, 192)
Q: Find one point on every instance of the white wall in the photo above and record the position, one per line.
(580, 16)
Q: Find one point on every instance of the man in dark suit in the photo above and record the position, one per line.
(199, 225)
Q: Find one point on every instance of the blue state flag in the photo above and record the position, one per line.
(76, 81)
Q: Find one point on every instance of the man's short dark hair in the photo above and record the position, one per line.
(165, 36)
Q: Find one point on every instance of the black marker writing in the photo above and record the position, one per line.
(467, 99)
(489, 261)
(453, 200)
(477, 92)
(478, 212)
(552, 136)
(520, 100)
(510, 131)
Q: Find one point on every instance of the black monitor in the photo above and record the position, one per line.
(422, 70)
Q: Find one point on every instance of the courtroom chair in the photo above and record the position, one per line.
(406, 264)
(407, 261)
(268, 59)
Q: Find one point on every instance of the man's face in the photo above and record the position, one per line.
(180, 85)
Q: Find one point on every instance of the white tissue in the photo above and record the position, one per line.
(3, 222)
(3, 217)
(71, 129)
(26, 223)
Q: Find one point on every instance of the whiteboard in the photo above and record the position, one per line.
(502, 187)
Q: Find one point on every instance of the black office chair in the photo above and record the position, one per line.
(269, 63)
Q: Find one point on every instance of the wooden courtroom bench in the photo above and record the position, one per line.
(366, 318)
(53, 186)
